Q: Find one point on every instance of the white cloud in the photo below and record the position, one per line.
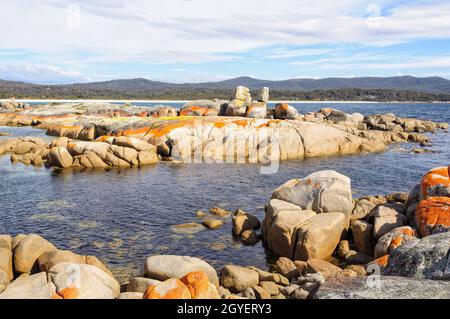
(40, 74)
(196, 31)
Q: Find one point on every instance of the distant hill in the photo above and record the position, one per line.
(403, 88)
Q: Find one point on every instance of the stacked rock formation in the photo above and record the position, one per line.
(399, 235)
(33, 268)
(246, 131)
(65, 153)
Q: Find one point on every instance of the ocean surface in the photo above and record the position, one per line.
(123, 216)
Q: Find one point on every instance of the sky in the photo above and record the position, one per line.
(60, 41)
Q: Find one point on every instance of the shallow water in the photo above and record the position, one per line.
(123, 216)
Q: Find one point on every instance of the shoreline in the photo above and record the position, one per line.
(185, 101)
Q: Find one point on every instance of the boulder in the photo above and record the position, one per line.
(4, 280)
(325, 268)
(147, 158)
(170, 289)
(426, 258)
(286, 267)
(383, 288)
(236, 108)
(81, 281)
(392, 240)
(212, 223)
(243, 221)
(60, 157)
(362, 209)
(362, 234)
(261, 293)
(281, 237)
(6, 256)
(433, 215)
(263, 95)
(257, 110)
(285, 112)
(250, 237)
(219, 212)
(140, 284)
(162, 267)
(271, 287)
(242, 93)
(134, 143)
(319, 236)
(88, 160)
(27, 252)
(238, 278)
(436, 183)
(199, 286)
(51, 258)
(131, 295)
(322, 192)
(272, 209)
(343, 248)
(385, 220)
(30, 287)
(269, 276)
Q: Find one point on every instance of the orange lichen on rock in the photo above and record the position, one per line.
(219, 124)
(197, 282)
(194, 110)
(102, 138)
(69, 293)
(398, 240)
(242, 122)
(165, 128)
(436, 182)
(283, 106)
(169, 289)
(133, 131)
(433, 215)
(382, 261)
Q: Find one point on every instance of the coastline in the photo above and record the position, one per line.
(185, 101)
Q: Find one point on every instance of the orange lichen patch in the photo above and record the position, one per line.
(219, 124)
(169, 289)
(436, 182)
(197, 110)
(382, 261)
(398, 240)
(197, 282)
(69, 293)
(269, 123)
(132, 131)
(283, 106)
(242, 122)
(433, 215)
(56, 297)
(166, 128)
(52, 117)
(102, 138)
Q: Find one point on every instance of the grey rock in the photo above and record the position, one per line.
(162, 267)
(383, 288)
(427, 258)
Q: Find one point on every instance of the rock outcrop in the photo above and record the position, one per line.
(383, 288)
(33, 268)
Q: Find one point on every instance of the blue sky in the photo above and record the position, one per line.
(60, 41)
